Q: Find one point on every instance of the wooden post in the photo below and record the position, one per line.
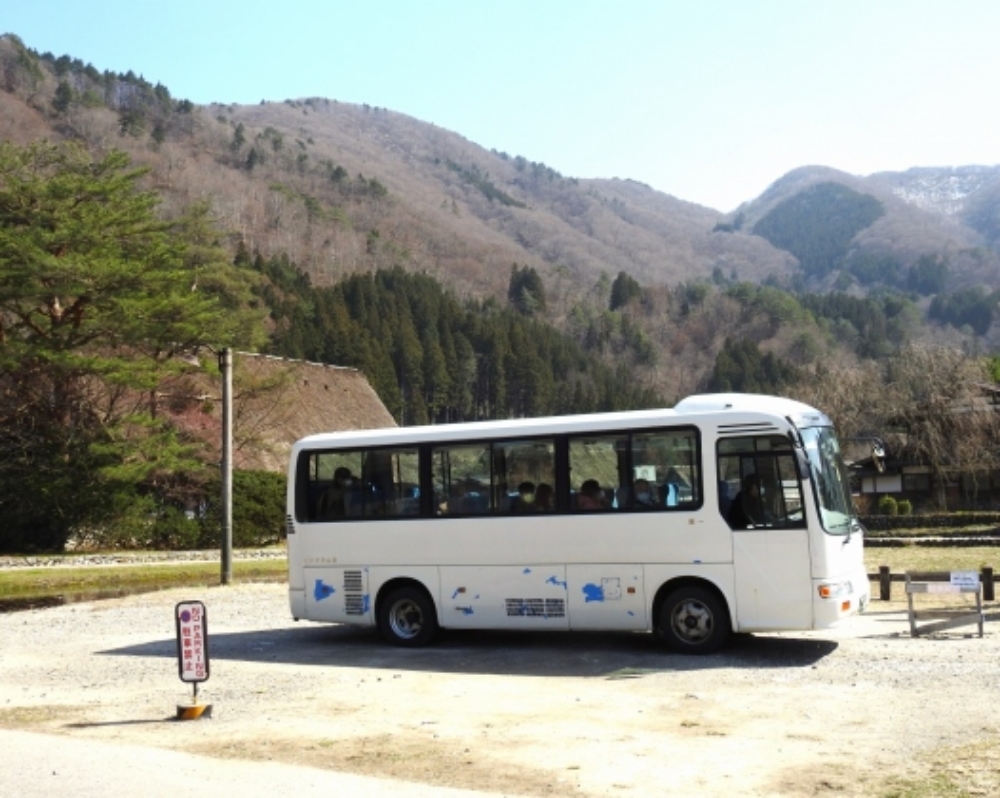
(884, 583)
(987, 579)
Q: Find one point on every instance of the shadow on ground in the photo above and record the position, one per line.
(586, 654)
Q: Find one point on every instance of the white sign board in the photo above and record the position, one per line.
(965, 579)
(192, 641)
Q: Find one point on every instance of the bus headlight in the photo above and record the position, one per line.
(835, 590)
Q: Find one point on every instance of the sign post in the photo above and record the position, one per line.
(192, 655)
(226, 367)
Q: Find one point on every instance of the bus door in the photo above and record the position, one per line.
(771, 559)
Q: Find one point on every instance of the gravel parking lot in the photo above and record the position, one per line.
(853, 710)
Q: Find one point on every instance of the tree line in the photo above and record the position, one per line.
(434, 358)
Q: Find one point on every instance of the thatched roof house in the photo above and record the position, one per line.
(276, 401)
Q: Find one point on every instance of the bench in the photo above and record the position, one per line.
(944, 583)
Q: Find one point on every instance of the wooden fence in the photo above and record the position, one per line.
(885, 579)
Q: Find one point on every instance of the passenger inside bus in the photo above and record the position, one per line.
(333, 502)
(643, 493)
(747, 509)
(590, 497)
(524, 502)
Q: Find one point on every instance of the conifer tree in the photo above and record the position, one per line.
(526, 292)
(623, 290)
(98, 298)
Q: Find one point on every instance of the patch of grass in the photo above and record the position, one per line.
(53, 581)
(932, 558)
(960, 771)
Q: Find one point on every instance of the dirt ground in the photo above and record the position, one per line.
(860, 710)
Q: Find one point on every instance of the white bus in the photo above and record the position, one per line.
(615, 521)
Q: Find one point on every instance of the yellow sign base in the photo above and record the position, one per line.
(193, 711)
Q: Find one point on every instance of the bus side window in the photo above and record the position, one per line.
(596, 476)
(387, 473)
(519, 467)
(460, 479)
(333, 477)
(668, 462)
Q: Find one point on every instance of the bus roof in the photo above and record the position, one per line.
(689, 408)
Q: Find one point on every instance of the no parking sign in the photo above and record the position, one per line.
(192, 641)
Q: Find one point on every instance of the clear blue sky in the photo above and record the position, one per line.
(707, 101)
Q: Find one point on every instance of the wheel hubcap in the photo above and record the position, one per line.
(406, 619)
(692, 621)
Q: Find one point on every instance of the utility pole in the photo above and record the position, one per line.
(226, 367)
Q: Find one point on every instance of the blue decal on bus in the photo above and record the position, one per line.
(592, 593)
(553, 581)
(366, 603)
(323, 590)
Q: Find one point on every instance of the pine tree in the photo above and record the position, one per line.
(98, 298)
(526, 292)
(63, 98)
(623, 290)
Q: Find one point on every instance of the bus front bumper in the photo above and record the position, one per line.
(836, 599)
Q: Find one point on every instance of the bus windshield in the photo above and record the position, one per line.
(829, 474)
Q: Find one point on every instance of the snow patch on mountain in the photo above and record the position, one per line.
(944, 190)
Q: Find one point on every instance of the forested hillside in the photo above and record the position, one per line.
(434, 358)
(137, 229)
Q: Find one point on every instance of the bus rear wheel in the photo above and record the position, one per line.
(406, 617)
(694, 620)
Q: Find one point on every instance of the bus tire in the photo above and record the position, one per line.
(694, 620)
(406, 617)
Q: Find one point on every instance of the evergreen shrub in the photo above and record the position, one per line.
(887, 506)
(258, 510)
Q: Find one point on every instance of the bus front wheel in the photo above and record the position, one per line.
(694, 620)
(406, 617)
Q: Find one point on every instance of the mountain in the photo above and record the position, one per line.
(970, 194)
(278, 175)
(923, 213)
(341, 189)
(461, 211)
(288, 181)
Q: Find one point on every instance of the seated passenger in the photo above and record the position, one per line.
(545, 498)
(524, 502)
(747, 509)
(643, 498)
(590, 497)
(333, 503)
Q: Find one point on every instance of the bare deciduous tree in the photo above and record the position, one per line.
(929, 404)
